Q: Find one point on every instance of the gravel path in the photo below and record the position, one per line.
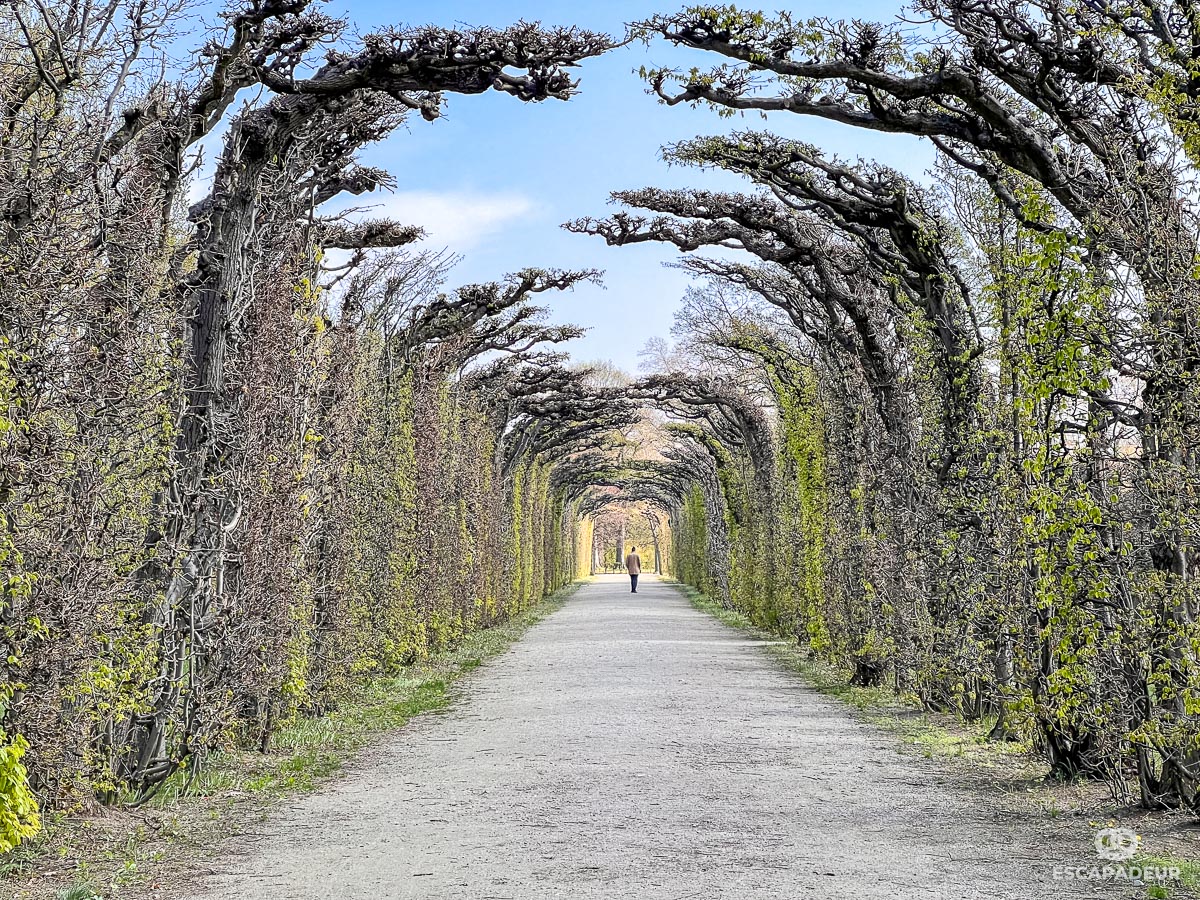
(633, 747)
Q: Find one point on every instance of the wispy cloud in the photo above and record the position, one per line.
(460, 220)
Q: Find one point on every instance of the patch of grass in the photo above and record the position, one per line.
(79, 891)
(193, 808)
(1189, 875)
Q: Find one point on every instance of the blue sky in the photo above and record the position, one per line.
(495, 178)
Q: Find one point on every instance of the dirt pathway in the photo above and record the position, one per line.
(631, 746)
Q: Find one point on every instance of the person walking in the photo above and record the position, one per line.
(633, 565)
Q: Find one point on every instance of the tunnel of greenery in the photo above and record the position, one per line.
(946, 436)
(252, 455)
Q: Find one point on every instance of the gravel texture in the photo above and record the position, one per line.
(632, 746)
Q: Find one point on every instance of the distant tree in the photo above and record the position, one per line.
(659, 355)
(603, 373)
